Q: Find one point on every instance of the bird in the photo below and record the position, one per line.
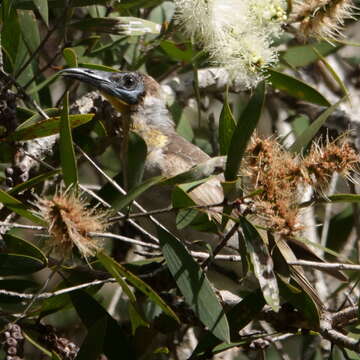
(168, 154)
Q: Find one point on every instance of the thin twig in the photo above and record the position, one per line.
(324, 265)
(196, 254)
(47, 295)
(222, 244)
(22, 226)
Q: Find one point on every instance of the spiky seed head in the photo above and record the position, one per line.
(70, 222)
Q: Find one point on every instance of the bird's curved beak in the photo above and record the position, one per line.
(105, 82)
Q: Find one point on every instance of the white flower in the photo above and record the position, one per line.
(237, 34)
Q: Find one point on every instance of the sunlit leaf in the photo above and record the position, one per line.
(296, 88)
(70, 57)
(227, 126)
(67, 153)
(243, 131)
(47, 127)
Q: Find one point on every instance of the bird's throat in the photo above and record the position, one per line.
(154, 138)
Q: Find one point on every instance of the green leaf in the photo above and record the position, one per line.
(176, 52)
(137, 152)
(303, 55)
(44, 84)
(305, 138)
(14, 264)
(98, 67)
(32, 182)
(227, 127)
(17, 245)
(117, 270)
(67, 153)
(262, 263)
(47, 127)
(239, 316)
(339, 198)
(36, 117)
(301, 301)
(70, 57)
(135, 192)
(186, 216)
(194, 285)
(42, 6)
(296, 88)
(19, 208)
(332, 71)
(91, 313)
(243, 131)
(29, 29)
(10, 36)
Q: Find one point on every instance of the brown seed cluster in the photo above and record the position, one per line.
(70, 222)
(280, 176)
(323, 162)
(322, 18)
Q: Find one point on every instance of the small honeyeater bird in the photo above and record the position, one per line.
(140, 97)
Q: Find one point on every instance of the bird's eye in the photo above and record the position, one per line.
(129, 81)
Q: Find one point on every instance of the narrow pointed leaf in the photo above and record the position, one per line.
(117, 270)
(17, 245)
(305, 138)
(296, 88)
(70, 57)
(19, 208)
(194, 285)
(67, 153)
(47, 127)
(15, 264)
(32, 182)
(262, 263)
(227, 126)
(135, 192)
(239, 316)
(137, 151)
(243, 131)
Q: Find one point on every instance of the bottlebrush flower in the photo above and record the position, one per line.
(237, 34)
(322, 19)
(70, 221)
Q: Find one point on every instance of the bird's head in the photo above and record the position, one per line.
(135, 93)
(123, 90)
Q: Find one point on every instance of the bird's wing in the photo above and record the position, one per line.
(180, 156)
